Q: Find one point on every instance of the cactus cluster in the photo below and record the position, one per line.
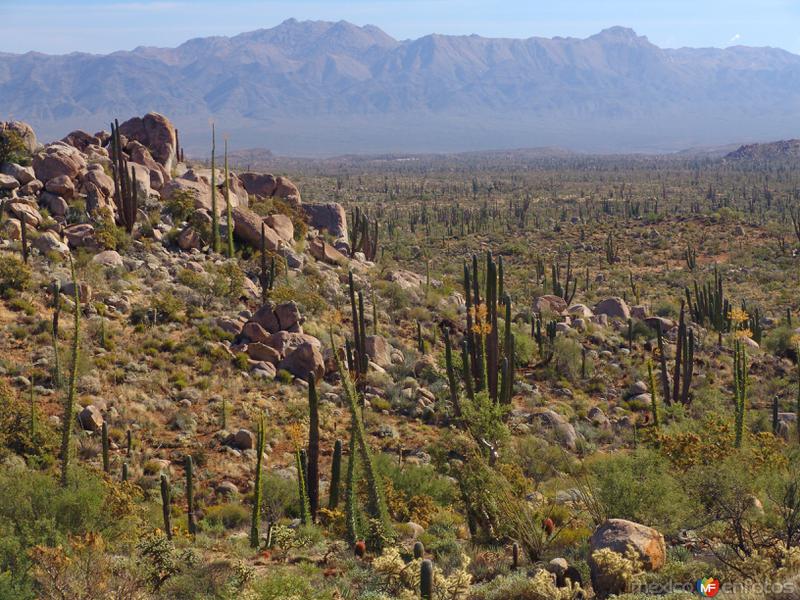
(710, 307)
(363, 234)
(563, 290)
(126, 190)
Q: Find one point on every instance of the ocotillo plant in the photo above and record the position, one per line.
(426, 580)
(312, 483)
(214, 213)
(69, 405)
(56, 315)
(351, 491)
(165, 506)
(255, 518)
(189, 468)
(376, 505)
(228, 212)
(336, 476)
(739, 388)
(305, 509)
(104, 441)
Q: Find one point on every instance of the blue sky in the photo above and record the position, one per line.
(59, 26)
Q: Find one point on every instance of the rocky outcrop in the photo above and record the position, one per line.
(328, 217)
(614, 308)
(619, 535)
(247, 227)
(157, 133)
(322, 250)
(56, 160)
(549, 304)
(266, 185)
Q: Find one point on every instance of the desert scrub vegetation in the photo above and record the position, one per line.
(496, 385)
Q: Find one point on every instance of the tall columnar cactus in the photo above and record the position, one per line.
(451, 374)
(710, 307)
(515, 556)
(359, 330)
(775, 420)
(612, 252)
(124, 475)
(189, 468)
(739, 388)
(24, 235)
(312, 483)
(255, 518)
(214, 213)
(466, 372)
(684, 361)
(426, 580)
(104, 441)
(651, 379)
(363, 234)
(165, 506)
(690, 255)
(267, 275)
(662, 359)
(126, 191)
(69, 405)
(563, 290)
(336, 476)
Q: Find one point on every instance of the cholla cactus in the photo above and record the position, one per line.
(615, 573)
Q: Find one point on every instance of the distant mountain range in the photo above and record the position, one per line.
(320, 88)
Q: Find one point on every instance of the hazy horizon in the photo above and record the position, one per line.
(97, 26)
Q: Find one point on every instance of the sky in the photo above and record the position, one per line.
(102, 26)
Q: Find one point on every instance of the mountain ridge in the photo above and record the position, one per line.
(333, 87)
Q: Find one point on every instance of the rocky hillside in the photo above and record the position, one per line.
(214, 388)
(327, 88)
(773, 152)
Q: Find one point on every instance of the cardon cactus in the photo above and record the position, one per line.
(336, 475)
(165, 506)
(426, 580)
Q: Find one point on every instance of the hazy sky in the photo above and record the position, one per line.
(59, 26)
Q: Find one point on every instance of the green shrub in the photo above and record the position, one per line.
(13, 149)
(640, 487)
(230, 516)
(15, 275)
